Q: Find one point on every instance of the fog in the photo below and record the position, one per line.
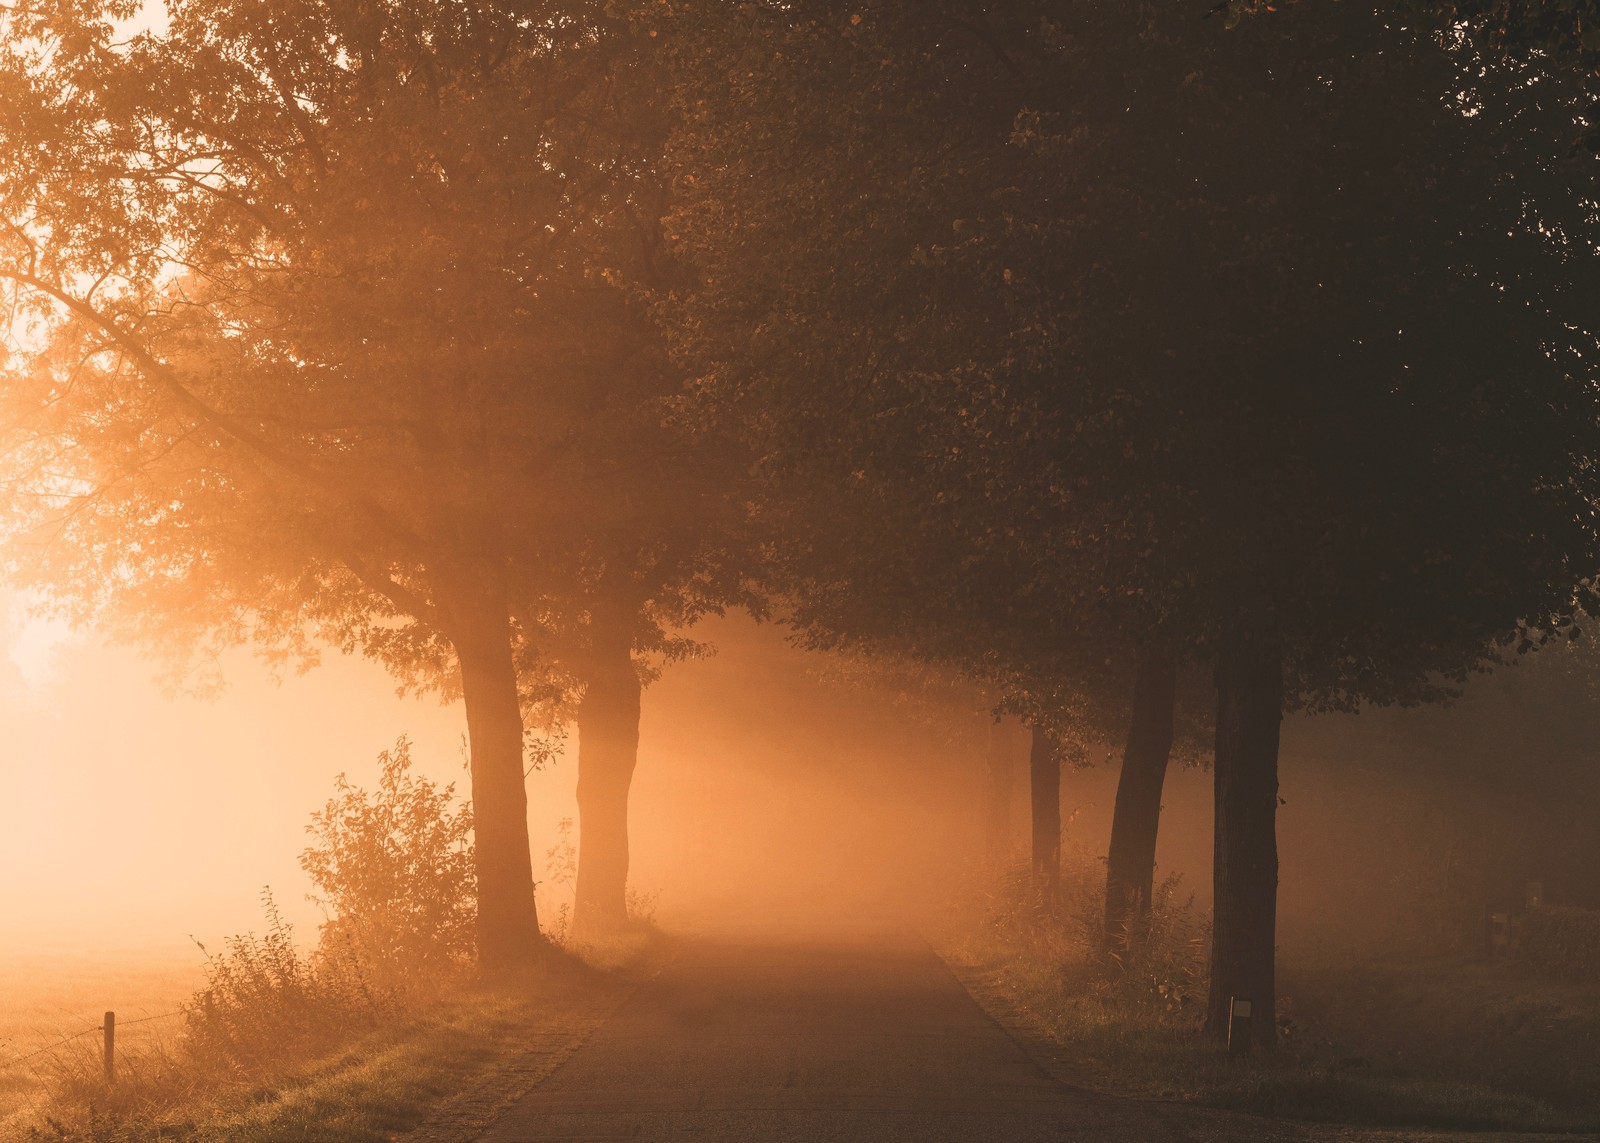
(135, 817)
(772, 789)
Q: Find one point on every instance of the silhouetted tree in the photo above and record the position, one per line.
(1264, 349)
(1044, 782)
(1136, 817)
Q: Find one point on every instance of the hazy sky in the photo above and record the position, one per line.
(133, 816)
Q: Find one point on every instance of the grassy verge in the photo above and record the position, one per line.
(1440, 1044)
(446, 1070)
(44, 999)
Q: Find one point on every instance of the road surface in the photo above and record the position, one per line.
(860, 1039)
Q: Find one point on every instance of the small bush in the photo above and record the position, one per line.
(394, 869)
(1562, 943)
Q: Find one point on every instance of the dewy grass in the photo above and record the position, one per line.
(1443, 1044)
(379, 1084)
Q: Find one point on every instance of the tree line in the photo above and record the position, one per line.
(1161, 368)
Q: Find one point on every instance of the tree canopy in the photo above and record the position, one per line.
(1271, 345)
(337, 329)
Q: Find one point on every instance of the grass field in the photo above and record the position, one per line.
(45, 999)
(1454, 1020)
(452, 1064)
(1439, 1044)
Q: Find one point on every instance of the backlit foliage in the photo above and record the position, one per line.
(393, 869)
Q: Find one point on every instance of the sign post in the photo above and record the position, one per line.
(1239, 1027)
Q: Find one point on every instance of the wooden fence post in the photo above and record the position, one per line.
(111, 1048)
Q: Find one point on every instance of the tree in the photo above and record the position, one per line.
(1196, 354)
(1136, 817)
(656, 542)
(909, 550)
(333, 310)
(1044, 781)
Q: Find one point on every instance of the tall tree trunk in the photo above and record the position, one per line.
(508, 919)
(1000, 780)
(1044, 771)
(1131, 860)
(608, 751)
(1245, 881)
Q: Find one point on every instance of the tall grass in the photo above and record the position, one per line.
(1423, 1045)
(393, 869)
(265, 1000)
(1153, 970)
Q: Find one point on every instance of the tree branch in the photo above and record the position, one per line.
(163, 374)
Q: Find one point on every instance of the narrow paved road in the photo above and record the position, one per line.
(860, 1039)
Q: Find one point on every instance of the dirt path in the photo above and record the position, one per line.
(861, 1039)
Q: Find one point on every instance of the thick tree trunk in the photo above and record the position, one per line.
(1000, 781)
(1245, 881)
(1131, 860)
(508, 920)
(1044, 770)
(608, 751)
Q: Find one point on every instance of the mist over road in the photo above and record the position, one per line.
(862, 1037)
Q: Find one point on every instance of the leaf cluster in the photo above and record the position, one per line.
(1080, 327)
(393, 868)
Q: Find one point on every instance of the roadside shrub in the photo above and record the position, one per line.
(1161, 958)
(1156, 971)
(1561, 943)
(264, 1001)
(393, 868)
(561, 874)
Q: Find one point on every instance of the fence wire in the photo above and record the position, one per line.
(17, 1061)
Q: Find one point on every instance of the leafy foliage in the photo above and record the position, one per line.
(333, 327)
(1140, 324)
(394, 870)
(1268, 348)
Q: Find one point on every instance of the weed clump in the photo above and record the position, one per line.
(1153, 969)
(266, 1001)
